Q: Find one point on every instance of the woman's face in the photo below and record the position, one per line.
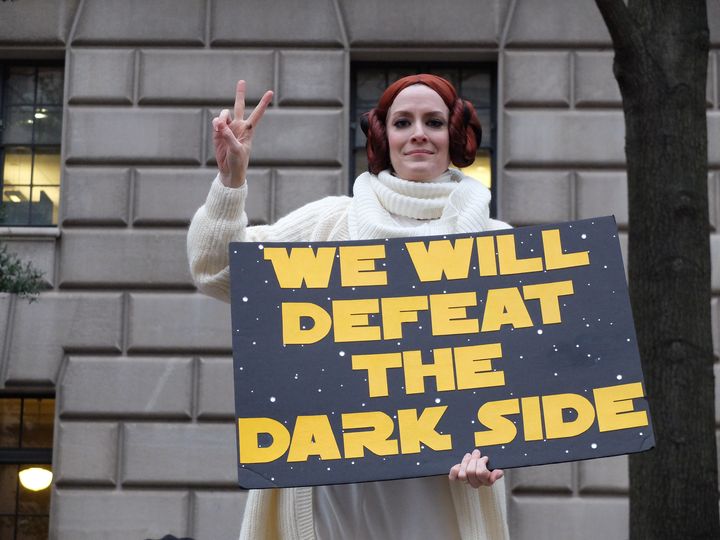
(417, 131)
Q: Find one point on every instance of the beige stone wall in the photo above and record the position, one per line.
(139, 360)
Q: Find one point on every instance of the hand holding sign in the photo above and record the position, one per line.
(473, 470)
(233, 137)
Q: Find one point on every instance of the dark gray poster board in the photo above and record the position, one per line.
(391, 358)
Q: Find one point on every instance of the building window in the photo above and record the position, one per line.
(30, 133)
(26, 439)
(474, 82)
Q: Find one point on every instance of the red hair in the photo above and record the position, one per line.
(463, 125)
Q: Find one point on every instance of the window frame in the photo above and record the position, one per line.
(26, 456)
(5, 66)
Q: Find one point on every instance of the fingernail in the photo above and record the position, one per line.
(476, 452)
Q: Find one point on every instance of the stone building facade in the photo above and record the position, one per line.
(138, 361)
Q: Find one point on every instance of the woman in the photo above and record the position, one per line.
(418, 128)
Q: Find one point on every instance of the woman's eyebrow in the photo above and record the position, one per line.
(427, 113)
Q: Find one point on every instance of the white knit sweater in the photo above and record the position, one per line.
(383, 206)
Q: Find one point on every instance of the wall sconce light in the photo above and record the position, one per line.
(35, 478)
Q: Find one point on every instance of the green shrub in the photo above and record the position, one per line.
(15, 277)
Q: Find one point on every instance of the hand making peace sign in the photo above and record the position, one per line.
(233, 137)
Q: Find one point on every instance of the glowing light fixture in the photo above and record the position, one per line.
(15, 196)
(35, 478)
(40, 115)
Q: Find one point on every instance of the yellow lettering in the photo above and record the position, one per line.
(500, 429)
(357, 266)
(555, 426)
(292, 329)
(486, 255)
(415, 430)
(532, 422)
(352, 322)
(303, 265)
(548, 294)
(398, 310)
(505, 306)
(376, 439)
(448, 313)
(249, 430)
(416, 371)
(313, 436)
(377, 366)
(441, 257)
(473, 368)
(615, 408)
(554, 256)
(509, 263)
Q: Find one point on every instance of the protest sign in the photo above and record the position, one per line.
(391, 358)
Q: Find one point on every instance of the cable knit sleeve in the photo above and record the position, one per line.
(222, 220)
(497, 225)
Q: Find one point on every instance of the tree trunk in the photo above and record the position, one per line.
(661, 56)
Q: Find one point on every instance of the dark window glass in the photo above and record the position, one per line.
(37, 423)
(30, 135)
(7, 526)
(50, 86)
(18, 124)
(32, 527)
(8, 490)
(48, 125)
(20, 85)
(10, 410)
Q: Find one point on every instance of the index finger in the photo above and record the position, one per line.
(257, 114)
(239, 109)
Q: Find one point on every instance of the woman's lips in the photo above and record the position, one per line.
(418, 152)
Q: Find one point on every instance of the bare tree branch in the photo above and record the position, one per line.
(623, 30)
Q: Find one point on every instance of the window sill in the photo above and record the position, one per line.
(29, 232)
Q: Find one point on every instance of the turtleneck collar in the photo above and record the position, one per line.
(450, 203)
(450, 175)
